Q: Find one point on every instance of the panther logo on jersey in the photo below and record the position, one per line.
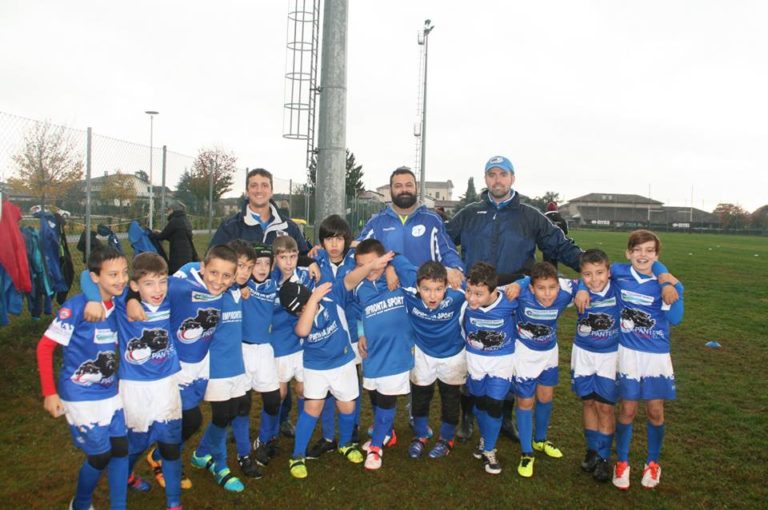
(99, 371)
(530, 331)
(150, 344)
(594, 322)
(485, 339)
(192, 330)
(632, 318)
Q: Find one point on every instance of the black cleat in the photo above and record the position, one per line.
(466, 428)
(603, 470)
(249, 467)
(287, 429)
(320, 447)
(590, 461)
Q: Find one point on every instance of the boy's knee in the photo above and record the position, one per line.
(271, 402)
(169, 451)
(119, 446)
(100, 460)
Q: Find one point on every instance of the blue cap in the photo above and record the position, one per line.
(500, 162)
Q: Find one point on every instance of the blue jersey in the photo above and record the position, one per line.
(387, 329)
(597, 329)
(146, 349)
(537, 324)
(226, 353)
(437, 332)
(258, 310)
(284, 338)
(490, 330)
(333, 272)
(644, 324)
(89, 362)
(327, 346)
(195, 312)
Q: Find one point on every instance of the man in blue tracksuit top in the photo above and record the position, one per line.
(413, 230)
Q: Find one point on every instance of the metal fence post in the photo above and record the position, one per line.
(88, 194)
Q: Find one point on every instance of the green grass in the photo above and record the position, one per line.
(715, 451)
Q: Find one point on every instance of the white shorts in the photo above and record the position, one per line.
(450, 370)
(356, 350)
(645, 375)
(146, 402)
(191, 372)
(530, 364)
(290, 367)
(226, 388)
(86, 413)
(397, 384)
(260, 367)
(478, 366)
(586, 363)
(340, 381)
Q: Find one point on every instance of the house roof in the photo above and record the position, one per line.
(613, 198)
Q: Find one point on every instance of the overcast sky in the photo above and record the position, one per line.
(582, 96)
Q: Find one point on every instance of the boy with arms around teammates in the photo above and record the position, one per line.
(329, 365)
(259, 361)
(228, 382)
(488, 328)
(387, 347)
(88, 389)
(645, 367)
(434, 309)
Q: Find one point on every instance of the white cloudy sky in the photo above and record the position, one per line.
(582, 96)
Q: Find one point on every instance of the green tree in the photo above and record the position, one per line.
(469, 196)
(118, 189)
(193, 185)
(48, 165)
(541, 202)
(732, 217)
(353, 185)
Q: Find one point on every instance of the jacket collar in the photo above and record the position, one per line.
(511, 201)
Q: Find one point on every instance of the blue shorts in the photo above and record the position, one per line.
(192, 394)
(95, 439)
(526, 387)
(164, 432)
(489, 386)
(645, 375)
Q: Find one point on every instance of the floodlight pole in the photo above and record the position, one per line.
(422, 170)
(151, 114)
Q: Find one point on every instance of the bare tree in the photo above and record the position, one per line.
(118, 189)
(48, 165)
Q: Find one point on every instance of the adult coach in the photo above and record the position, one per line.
(503, 232)
(412, 230)
(259, 220)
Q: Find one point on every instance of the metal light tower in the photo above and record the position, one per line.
(423, 40)
(151, 114)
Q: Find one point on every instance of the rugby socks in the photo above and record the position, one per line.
(217, 445)
(524, 419)
(492, 429)
(300, 404)
(305, 425)
(270, 425)
(172, 475)
(206, 446)
(346, 426)
(86, 483)
(623, 440)
(328, 418)
(543, 413)
(591, 437)
(655, 440)
(421, 426)
(447, 431)
(482, 422)
(132, 458)
(382, 425)
(117, 476)
(603, 444)
(242, 433)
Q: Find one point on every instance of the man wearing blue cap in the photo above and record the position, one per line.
(503, 232)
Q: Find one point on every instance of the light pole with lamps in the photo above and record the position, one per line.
(423, 40)
(151, 114)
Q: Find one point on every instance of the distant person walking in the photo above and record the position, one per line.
(554, 217)
(178, 233)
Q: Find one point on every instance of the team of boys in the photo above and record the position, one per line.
(249, 318)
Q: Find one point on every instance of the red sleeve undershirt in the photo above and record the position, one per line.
(45, 349)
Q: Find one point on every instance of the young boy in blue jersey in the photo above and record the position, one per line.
(386, 348)
(227, 383)
(329, 366)
(286, 345)
(593, 362)
(88, 389)
(488, 328)
(335, 260)
(542, 298)
(645, 366)
(259, 361)
(433, 309)
(148, 386)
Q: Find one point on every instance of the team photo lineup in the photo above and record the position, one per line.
(413, 303)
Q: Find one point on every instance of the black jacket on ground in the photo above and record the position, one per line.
(178, 233)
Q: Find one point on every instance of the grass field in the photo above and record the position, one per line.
(715, 453)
